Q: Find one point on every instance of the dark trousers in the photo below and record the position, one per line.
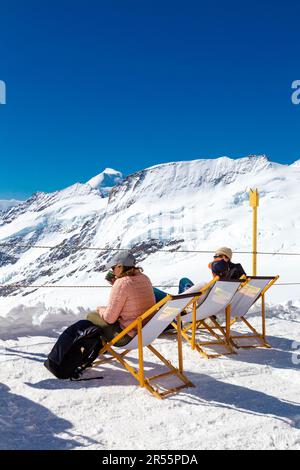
(184, 284)
(109, 331)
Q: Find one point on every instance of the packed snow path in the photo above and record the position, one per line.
(246, 401)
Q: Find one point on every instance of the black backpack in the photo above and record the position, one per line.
(235, 272)
(75, 350)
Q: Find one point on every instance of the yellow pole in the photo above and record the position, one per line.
(263, 314)
(228, 319)
(254, 202)
(141, 359)
(179, 341)
(194, 316)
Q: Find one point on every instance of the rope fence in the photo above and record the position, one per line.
(79, 247)
(33, 286)
(107, 249)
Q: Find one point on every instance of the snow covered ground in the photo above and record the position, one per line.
(245, 401)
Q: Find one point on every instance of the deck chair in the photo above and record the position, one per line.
(254, 289)
(157, 319)
(216, 295)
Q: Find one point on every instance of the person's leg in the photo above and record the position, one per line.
(159, 294)
(184, 284)
(94, 317)
(110, 331)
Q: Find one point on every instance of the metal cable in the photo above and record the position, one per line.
(24, 286)
(159, 250)
(33, 286)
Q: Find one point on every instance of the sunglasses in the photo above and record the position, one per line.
(219, 256)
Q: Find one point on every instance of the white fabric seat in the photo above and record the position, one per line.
(217, 296)
(254, 288)
(247, 296)
(159, 322)
(216, 299)
(158, 318)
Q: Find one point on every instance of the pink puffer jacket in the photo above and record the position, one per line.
(130, 297)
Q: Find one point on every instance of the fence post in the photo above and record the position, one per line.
(254, 203)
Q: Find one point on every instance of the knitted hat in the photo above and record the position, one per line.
(224, 251)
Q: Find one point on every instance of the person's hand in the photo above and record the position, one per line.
(110, 277)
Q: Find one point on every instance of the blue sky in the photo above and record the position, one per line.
(129, 84)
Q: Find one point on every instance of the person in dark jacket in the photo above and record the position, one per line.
(223, 267)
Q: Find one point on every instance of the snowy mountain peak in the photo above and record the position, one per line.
(106, 180)
(296, 164)
(251, 163)
(171, 179)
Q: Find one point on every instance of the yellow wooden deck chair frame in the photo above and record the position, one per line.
(149, 326)
(250, 292)
(216, 295)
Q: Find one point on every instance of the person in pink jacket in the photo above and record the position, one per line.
(131, 295)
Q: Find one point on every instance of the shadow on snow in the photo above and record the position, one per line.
(26, 425)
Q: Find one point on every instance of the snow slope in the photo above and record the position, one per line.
(245, 401)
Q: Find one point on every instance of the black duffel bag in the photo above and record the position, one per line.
(75, 350)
